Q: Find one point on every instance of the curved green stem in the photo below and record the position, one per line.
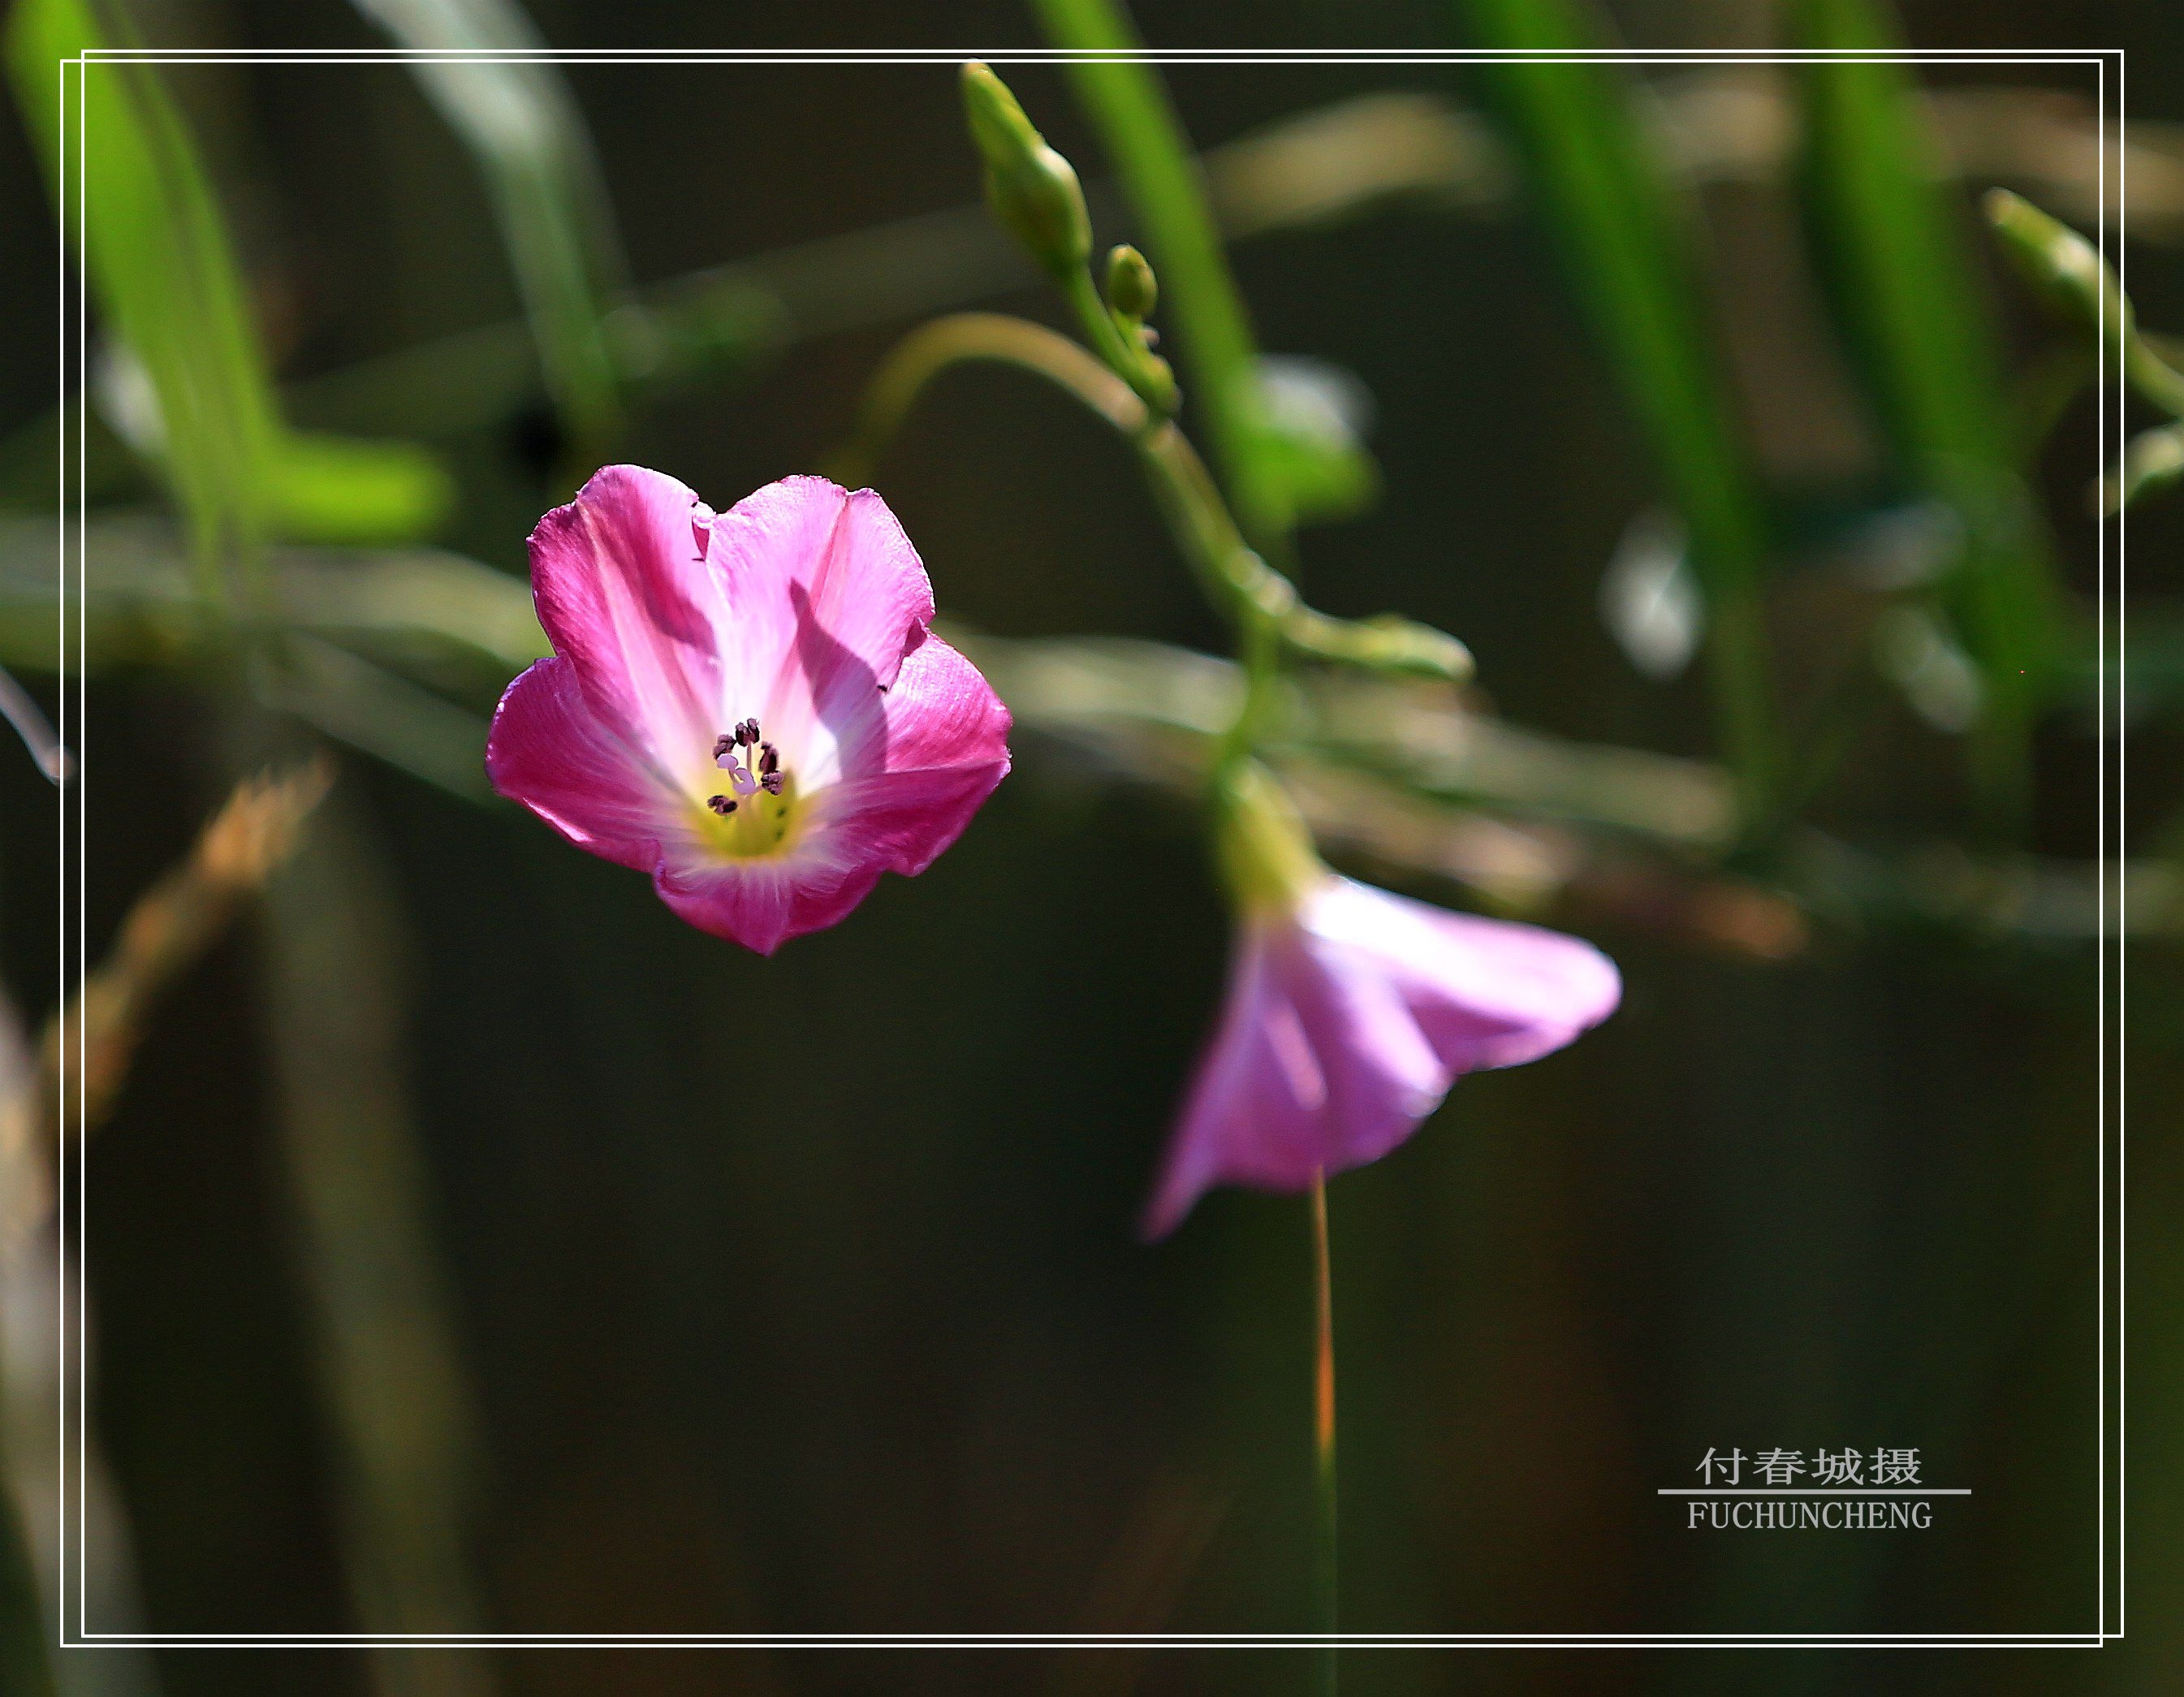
(1241, 586)
(1138, 124)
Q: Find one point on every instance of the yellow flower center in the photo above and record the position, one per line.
(750, 808)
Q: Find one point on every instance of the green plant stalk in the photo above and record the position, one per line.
(522, 126)
(1133, 362)
(2068, 272)
(152, 243)
(1327, 1569)
(566, 312)
(397, 1405)
(24, 1664)
(173, 297)
(1160, 175)
(1240, 585)
(1154, 158)
(1904, 282)
(1625, 237)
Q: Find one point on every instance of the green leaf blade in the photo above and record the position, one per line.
(1625, 237)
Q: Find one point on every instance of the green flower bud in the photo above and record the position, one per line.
(1032, 189)
(2153, 462)
(2058, 261)
(1386, 642)
(1132, 288)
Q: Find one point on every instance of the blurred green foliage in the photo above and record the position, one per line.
(1627, 240)
(1893, 246)
(152, 234)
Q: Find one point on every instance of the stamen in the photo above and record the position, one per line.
(751, 765)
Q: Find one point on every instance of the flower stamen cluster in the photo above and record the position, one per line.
(748, 773)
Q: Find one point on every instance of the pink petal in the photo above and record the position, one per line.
(926, 762)
(762, 903)
(1486, 992)
(752, 902)
(631, 605)
(827, 595)
(547, 750)
(805, 607)
(1250, 1076)
(1317, 1067)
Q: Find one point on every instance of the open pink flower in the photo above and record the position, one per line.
(1350, 1013)
(751, 707)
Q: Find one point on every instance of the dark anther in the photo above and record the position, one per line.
(722, 745)
(722, 805)
(746, 733)
(769, 757)
(772, 783)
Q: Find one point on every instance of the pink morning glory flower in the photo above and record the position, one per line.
(749, 705)
(1350, 1013)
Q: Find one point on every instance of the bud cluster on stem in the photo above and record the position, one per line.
(1035, 194)
(2069, 275)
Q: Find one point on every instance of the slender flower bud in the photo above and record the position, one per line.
(2058, 261)
(1132, 288)
(1032, 189)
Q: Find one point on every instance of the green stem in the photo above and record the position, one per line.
(1241, 586)
(1326, 1572)
(1159, 174)
(1623, 227)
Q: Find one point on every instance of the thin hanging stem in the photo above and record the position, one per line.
(1323, 1426)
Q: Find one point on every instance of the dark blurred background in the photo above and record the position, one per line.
(802, 1295)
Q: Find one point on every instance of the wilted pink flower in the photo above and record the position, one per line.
(749, 706)
(1350, 1013)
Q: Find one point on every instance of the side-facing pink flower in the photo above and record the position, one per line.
(750, 705)
(1350, 1013)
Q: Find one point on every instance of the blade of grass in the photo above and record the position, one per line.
(23, 1664)
(437, 614)
(1896, 253)
(522, 124)
(167, 930)
(1625, 237)
(166, 278)
(171, 291)
(383, 713)
(399, 1408)
(1137, 121)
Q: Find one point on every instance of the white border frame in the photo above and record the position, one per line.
(74, 1398)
